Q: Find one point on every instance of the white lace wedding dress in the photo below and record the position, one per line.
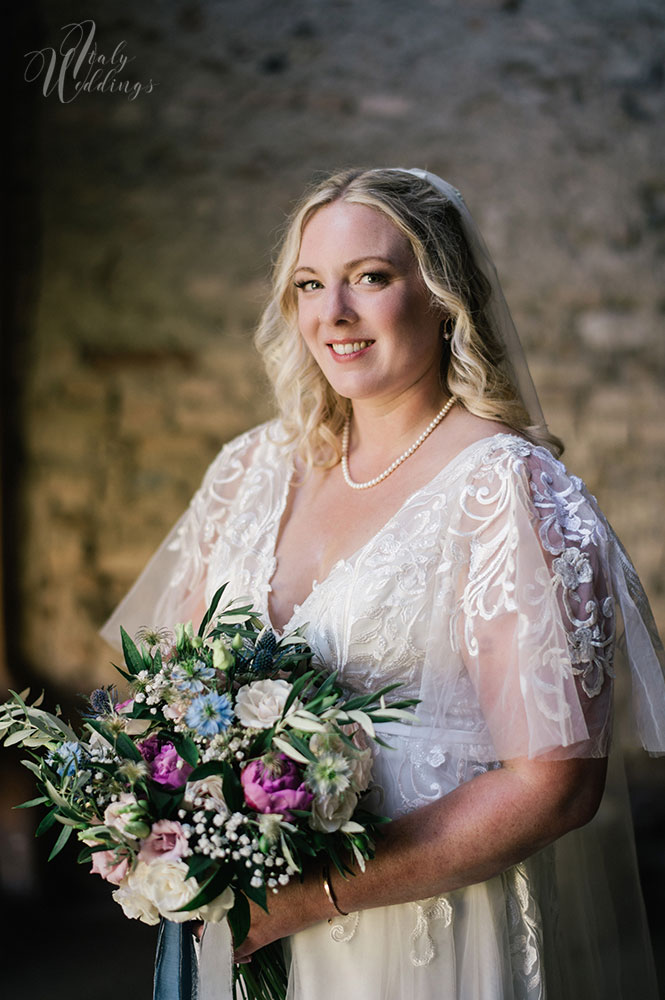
(493, 595)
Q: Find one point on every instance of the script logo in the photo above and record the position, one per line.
(78, 67)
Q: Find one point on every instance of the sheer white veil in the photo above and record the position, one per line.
(496, 309)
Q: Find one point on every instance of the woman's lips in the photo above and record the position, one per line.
(346, 350)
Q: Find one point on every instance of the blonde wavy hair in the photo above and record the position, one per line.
(472, 364)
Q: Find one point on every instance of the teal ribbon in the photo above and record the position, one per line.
(176, 966)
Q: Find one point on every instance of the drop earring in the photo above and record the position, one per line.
(446, 328)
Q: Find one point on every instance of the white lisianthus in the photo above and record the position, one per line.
(260, 705)
(135, 905)
(330, 812)
(209, 789)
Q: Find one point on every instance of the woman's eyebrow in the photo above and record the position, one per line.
(350, 264)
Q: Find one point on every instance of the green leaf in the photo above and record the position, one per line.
(211, 610)
(205, 770)
(239, 918)
(197, 864)
(33, 802)
(257, 895)
(64, 836)
(46, 823)
(126, 746)
(187, 748)
(232, 789)
(301, 745)
(296, 690)
(31, 766)
(54, 794)
(211, 888)
(133, 658)
(128, 677)
(67, 821)
(17, 737)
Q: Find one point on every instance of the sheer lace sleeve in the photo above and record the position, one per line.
(171, 588)
(534, 617)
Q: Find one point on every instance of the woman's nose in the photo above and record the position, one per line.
(335, 306)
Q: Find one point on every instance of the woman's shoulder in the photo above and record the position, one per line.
(506, 475)
(243, 450)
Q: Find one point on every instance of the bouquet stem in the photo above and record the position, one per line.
(264, 978)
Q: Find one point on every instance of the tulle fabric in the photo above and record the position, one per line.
(494, 594)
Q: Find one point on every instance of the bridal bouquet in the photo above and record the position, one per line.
(232, 760)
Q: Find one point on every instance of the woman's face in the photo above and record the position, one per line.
(363, 308)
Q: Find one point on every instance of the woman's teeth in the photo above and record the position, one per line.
(357, 345)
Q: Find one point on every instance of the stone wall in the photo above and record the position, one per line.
(157, 218)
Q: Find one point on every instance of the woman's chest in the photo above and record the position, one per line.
(365, 613)
(325, 523)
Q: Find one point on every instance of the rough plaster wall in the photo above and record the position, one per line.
(160, 214)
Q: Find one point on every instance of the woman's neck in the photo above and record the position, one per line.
(382, 427)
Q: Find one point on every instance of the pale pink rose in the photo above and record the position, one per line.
(166, 842)
(111, 865)
(118, 814)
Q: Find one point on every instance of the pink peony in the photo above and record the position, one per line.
(111, 865)
(275, 789)
(166, 766)
(166, 842)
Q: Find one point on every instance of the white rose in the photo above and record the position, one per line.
(209, 789)
(260, 705)
(166, 885)
(135, 905)
(330, 812)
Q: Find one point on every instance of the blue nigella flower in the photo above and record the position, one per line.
(192, 676)
(66, 758)
(209, 714)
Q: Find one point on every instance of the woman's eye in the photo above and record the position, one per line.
(373, 278)
(308, 286)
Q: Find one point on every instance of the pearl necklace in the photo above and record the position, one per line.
(398, 461)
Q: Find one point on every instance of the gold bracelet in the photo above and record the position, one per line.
(328, 889)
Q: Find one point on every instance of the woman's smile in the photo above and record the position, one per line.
(348, 350)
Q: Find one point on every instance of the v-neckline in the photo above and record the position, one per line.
(353, 556)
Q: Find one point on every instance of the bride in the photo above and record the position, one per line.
(408, 513)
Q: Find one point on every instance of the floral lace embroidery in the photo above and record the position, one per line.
(569, 529)
(427, 910)
(526, 938)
